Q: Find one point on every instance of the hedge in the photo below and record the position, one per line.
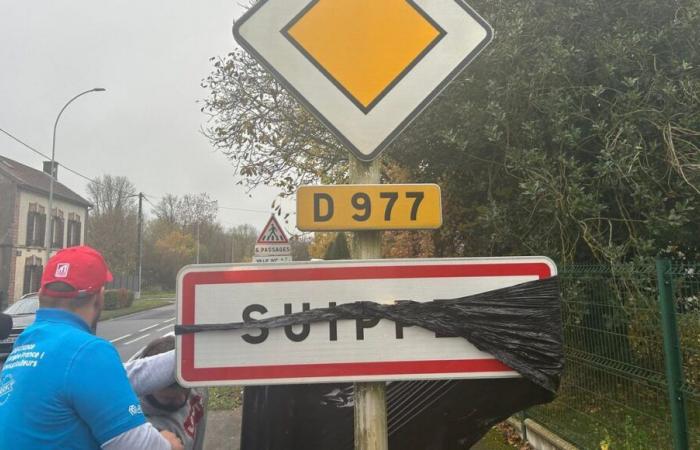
(118, 299)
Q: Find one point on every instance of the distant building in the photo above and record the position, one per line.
(24, 198)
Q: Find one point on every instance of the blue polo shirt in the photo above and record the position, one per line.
(64, 388)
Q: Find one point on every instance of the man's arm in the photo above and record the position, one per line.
(143, 437)
(98, 390)
(151, 374)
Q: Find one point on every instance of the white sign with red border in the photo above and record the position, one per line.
(334, 352)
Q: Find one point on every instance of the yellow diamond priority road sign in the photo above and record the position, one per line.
(365, 68)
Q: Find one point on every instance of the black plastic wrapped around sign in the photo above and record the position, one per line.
(519, 325)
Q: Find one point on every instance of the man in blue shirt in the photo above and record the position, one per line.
(62, 387)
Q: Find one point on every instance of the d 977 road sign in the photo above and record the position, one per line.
(341, 351)
(365, 68)
(369, 207)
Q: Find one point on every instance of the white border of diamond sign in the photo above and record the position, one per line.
(260, 31)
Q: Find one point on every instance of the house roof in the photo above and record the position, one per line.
(38, 181)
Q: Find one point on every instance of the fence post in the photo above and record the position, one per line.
(523, 427)
(672, 355)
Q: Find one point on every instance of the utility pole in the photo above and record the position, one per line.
(197, 242)
(140, 242)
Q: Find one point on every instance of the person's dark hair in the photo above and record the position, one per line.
(74, 303)
(158, 346)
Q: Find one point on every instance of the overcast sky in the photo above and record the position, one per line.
(150, 55)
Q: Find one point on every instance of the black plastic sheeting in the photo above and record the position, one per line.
(5, 325)
(519, 325)
(421, 415)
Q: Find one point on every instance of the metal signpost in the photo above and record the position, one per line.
(366, 69)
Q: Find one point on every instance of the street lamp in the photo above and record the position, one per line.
(53, 170)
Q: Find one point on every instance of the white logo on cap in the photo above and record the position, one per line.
(62, 270)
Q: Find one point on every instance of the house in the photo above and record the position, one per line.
(24, 198)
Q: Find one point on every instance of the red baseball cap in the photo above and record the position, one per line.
(83, 268)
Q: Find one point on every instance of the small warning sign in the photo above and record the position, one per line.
(272, 233)
(272, 245)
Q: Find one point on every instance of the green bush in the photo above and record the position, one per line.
(118, 299)
(126, 298)
(111, 300)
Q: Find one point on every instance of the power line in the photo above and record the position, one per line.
(92, 180)
(231, 208)
(149, 202)
(25, 144)
(46, 156)
(243, 209)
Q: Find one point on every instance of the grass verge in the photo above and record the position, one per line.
(225, 398)
(502, 437)
(157, 295)
(139, 305)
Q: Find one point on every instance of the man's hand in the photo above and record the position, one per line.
(173, 440)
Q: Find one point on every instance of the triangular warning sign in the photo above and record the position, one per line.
(272, 233)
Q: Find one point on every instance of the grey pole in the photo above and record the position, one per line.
(53, 172)
(197, 242)
(370, 398)
(140, 240)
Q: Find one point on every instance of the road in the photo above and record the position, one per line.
(130, 334)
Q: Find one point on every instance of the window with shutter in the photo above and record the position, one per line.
(57, 233)
(73, 233)
(31, 228)
(40, 228)
(78, 230)
(33, 269)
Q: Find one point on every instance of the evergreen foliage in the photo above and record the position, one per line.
(576, 134)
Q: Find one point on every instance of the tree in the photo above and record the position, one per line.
(243, 239)
(338, 249)
(169, 252)
(267, 135)
(111, 193)
(112, 225)
(188, 210)
(575, 135)
(300, 247)
(167, 209)
(320, 244)
(192, 215)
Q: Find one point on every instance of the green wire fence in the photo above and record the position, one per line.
(632, 343)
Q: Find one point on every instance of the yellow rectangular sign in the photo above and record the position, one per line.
(355, 207)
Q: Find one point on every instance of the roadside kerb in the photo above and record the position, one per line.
(539, 437)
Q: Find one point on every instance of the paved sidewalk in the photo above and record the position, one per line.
(223, 430)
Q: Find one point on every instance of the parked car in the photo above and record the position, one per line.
(23, 313)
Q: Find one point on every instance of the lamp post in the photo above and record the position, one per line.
(53, 171)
